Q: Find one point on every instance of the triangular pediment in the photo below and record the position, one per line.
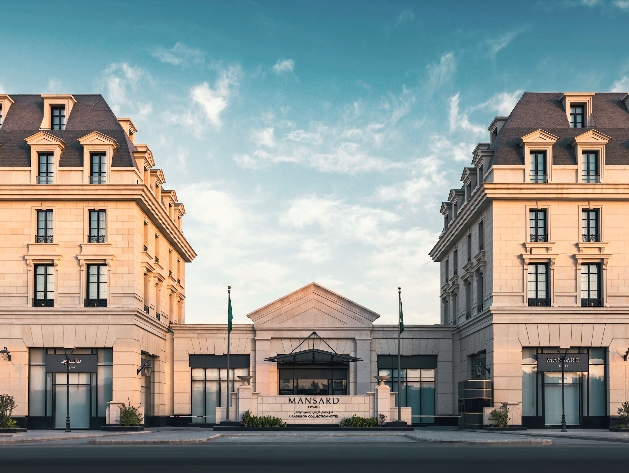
(45, 138)
(539, 136)
(98, 138)
(312, 307)
(591, 136)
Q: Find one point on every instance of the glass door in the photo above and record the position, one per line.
(80, 395)
(552, 398)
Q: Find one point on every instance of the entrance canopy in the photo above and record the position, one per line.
(313, 356)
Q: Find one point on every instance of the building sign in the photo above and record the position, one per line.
(84, 364)
(315, 409)
(552, 362)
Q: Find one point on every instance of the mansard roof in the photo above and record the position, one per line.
(546, 111)
(90, 114)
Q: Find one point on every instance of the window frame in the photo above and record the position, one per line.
(534, 227)
(97, 234)
(99, 177)
(61, 125)
(47, 177)
(46, 301)
(587, 176)
(538, 301)
(97, 301)
(481, 236)
(586, 224)
(574, 115)
(534, 172)
(44, 234)
(592, 301)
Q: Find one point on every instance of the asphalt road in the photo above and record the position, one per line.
(311, 457)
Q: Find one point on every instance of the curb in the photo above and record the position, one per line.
(57, 439)
(154, 442)
(483, 442)
(579, 437)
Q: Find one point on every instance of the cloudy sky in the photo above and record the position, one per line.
(313, 141)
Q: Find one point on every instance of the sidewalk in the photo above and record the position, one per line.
(575, 434)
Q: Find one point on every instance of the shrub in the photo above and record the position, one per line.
(130, 415)
(249, 420)
(7, 404)
(500, 416)
(357, 421)
(623, 413)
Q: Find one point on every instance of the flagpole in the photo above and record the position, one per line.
(399, 371)
(228, 347)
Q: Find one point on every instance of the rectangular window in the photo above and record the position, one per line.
(44, 286)
(577, 115)
(446, 312)
(0, 116)
(96, 285)
(590, 172)
(98, 168)
(455, 307)
(590, 225)
(97, 227)
(537, 225)
(538, 167)
(447, 274)
(469, 247)
(468, 301)
(58, 118)
(481, 236)
(45, 168)
(44, 226)
(480, 283)
(591, 285)
(455, 262)
(538, 293)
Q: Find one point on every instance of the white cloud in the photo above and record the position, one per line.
(501, 42)
(2, 89)
(502, 103)
(121, 82)
(442, 71)
(314, 251)
(179, 54)
(622, 4)
(214, 100)
(264, 137)
(405, 17)
(459, 121)
(284, 65)
(621, 85)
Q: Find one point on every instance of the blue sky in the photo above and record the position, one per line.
(313, 141)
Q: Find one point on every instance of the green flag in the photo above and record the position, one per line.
(401, 317)
(230, 316)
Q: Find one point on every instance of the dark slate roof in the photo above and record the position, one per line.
(545, 111)
(89, 113)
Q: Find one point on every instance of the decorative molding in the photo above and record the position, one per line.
(46, 139)
(591, 137)
(98, 138)
(538, 136)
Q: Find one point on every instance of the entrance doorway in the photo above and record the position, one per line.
(80, 395)
(552, 398)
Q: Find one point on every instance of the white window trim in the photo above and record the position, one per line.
(44, 142)
(591, 140)
(86, 223)
(579, 98)
(97, 142)
(539, 140)
(51, 100)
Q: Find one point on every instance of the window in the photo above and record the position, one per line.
(44, 226)
(455, 262)
(96, 285)
(538, 285)
(481, 236)
(455, 307)
(98, 168)
(0, 115)
(537, 225)
(576, 116)
(44, 286)
(447, 275)
(45, 168)
(589, 172)
(58, 118)
(591, 285)
(481, 175)
(538, 167)
(478, 364)
(590, 225)
(446, 313)
(480, 283)
(468, 300)
(97, 227)
(469, 247)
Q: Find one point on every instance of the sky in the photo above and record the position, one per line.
(313, 140)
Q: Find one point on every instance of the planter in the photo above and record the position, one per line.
(12, 430)
(122, 428)
(510, 428)
(619, 429)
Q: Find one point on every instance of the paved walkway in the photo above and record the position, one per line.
(174, 436)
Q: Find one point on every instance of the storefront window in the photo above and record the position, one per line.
(417, 391)
(209, 391)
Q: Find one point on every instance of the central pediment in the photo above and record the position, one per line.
(312, 307)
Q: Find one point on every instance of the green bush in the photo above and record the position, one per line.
(357, 421)
(623, 413)
(249, 420)
(130, 415)
(7, 404)
(500, 416)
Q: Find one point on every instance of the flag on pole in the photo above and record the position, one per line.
(401, 316)
(230, 316)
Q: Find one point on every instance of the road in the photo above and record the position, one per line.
(314, 457)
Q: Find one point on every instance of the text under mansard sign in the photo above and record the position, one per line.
(82, 364)
(552, 362)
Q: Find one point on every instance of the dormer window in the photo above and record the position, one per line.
(45, 168)
(58, 117)
(98, 168)
(577, 116)
(0, 115)
(5, 105)
(538, 172)
(589, 172)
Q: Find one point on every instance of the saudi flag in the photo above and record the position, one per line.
(230, 316)
(401, 317)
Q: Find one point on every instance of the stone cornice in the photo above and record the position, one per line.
(576, 191)
(139, 193)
